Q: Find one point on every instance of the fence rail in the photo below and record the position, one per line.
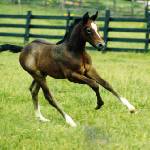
(107, 19)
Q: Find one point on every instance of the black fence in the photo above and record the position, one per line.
(107, 19)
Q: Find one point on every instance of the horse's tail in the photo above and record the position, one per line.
(11, 48)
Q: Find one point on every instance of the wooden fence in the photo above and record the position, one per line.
(106, 29)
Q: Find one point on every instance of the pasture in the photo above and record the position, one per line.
(112, 127)
(109, 128)
(54, 11)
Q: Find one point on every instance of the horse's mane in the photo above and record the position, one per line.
(69, 30)
(66, 36)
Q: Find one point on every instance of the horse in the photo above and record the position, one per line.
(69, 60)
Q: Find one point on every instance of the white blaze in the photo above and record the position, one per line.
(94, 27)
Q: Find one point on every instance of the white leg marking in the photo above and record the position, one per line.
(69, 120)
(127, 104)
(39, 115)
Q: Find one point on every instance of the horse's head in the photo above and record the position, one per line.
(90, 31)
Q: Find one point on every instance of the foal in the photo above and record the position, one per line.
(67, 60)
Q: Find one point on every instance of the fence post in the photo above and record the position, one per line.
(147, 16)
(106, 27)
(27, 28)
(68, 21)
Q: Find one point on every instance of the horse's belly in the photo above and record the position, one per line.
(53, 70)
(56, 74)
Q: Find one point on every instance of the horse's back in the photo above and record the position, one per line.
(42, 42)
(40, 56)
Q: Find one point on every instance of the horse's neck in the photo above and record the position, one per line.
(76, 42)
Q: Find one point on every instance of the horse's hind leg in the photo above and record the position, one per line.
(34, 89)
(32, 85)
(94, 75)
(48, 96)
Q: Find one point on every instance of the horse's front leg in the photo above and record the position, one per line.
(94, 75)
(78, 78)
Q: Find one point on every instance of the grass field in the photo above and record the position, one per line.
(112, 127)
(122, 7)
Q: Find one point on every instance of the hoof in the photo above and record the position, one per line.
(42, 119)
(99, 106)
(133, 111)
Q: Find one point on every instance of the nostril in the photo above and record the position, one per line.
(99, 45)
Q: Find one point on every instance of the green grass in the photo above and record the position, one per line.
(112, 127)
(123, 7)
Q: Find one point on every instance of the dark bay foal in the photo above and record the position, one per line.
(67, 60)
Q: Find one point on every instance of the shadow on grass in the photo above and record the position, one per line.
(94, 137)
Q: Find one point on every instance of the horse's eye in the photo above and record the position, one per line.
(88, 30)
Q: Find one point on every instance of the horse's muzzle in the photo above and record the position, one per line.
(100, 46)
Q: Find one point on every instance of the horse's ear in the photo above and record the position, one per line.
(85, 17)
(94, 16)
